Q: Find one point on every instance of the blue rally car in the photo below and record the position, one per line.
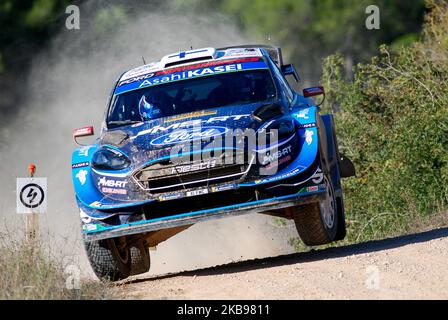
(205, 134)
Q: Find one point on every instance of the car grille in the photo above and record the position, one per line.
(165, 176)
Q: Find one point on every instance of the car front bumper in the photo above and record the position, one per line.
(97, 230)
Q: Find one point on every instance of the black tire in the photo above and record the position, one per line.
(107, 261)
(317, 223)
(140, 259)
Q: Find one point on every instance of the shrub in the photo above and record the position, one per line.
(392, 121)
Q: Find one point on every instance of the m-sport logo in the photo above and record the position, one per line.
(186, 135)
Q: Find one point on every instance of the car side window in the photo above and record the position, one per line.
(284, 84)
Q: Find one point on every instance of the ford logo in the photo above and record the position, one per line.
(185, 135)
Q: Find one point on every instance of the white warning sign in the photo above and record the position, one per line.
(31, 195)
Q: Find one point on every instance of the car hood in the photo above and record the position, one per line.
(155, 139)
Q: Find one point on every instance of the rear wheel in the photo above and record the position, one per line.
(317, 223)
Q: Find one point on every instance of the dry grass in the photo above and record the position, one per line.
(431, 222)
(28, 270)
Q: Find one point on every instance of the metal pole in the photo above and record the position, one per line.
(32, 220)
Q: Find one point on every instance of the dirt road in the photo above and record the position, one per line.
(408, 267)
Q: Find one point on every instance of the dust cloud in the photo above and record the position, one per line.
(68, 87)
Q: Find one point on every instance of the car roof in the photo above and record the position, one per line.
(184, 58)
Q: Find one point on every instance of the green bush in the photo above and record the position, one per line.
(392, 121)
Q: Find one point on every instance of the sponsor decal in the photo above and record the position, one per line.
(303, 114)
(223, 187)
(187, 135)
(140, 71)
(134, 79)
(189, 115)
(191, 74)
(285, 159)
(196, 192)
(297, 170)
(191, 123)
(113, 150)
(82, 132)
(111, 183)
(307, 125)
(312, 188)
(309, 136)
(188, 74)
(276, 155)
(84, 151)
(113, 190)
(170, 196)
(81, 175)
(279, 162)
(95, 204)
(318, 177)
(207, 64)
(194, 167)
(80, 165)
(243, 52)
(90, 227)
(84, 217)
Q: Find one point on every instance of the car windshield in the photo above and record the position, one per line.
(191, 95)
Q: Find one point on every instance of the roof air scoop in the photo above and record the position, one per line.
(188, 56)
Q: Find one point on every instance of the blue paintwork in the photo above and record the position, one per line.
(145, 148)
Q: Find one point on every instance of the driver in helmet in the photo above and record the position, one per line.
(148, 109)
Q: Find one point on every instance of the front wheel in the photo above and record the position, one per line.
(317, 223)
(108, 260)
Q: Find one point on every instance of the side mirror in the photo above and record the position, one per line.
(290, 69)
(313, 91)
(83, 132)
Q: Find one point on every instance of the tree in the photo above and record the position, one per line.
(310, 30)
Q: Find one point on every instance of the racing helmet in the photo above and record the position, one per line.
(148, 110)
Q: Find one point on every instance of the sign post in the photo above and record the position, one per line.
(31, 200)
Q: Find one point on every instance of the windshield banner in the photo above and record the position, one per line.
(150, 79)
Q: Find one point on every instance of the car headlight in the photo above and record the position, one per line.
(109, 159)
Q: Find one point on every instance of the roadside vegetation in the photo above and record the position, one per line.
(29, 271)
(392, 121)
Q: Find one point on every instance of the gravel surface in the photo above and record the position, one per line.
(407, 267)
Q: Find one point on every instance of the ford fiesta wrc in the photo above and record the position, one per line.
(205, 134)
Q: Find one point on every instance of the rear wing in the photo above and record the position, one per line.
(274, 52)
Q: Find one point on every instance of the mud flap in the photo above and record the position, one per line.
(336, 173)
(342, 228)
(323, 144)
(346, 167)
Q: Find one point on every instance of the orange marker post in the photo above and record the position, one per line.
(32, 220)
